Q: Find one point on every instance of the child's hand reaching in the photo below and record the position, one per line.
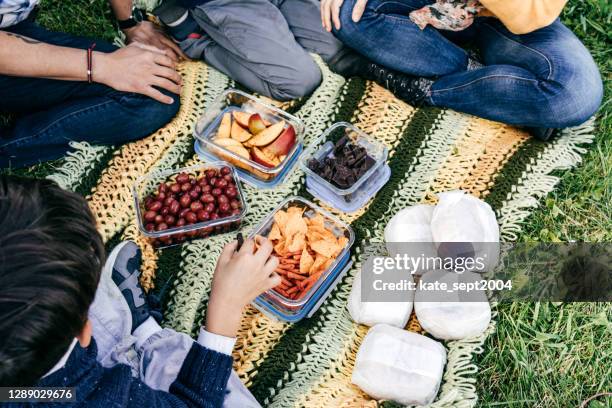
(239, 278)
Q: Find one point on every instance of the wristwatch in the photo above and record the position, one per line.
(137, 16)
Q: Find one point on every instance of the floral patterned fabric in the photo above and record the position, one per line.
(453, 15)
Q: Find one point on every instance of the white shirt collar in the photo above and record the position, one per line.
(62, 362)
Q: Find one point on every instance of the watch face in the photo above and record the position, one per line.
(137, 15)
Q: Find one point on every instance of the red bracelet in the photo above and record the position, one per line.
(90, 62)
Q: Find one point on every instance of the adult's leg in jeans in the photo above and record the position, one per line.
(387, 36)
(546, 78)
(52, 113)
(251, 42)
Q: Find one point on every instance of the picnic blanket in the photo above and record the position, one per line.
(431, 150)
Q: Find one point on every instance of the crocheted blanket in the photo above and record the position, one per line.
(431, 150)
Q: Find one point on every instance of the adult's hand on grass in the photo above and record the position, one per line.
(150, 34)
(239, 278)
(330, 12)
(138, 68)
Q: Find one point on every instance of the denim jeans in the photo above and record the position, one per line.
(546, 78)
(51, 113)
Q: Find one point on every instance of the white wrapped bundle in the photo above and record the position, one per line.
(372, 313)
(461, 217)
(452, 316)
(399, 365)
(411, 225)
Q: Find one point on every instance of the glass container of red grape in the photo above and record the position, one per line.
(175, 206)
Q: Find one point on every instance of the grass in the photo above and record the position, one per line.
(559, 355)
(544, 354)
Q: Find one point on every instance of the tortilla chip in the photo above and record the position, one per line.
(295, 223)
(342, 243)
(317, 221)
(306, 261)
(297, 243)
(275, 233)
(328, 263)
(280, 218)
(317, 265)
(279, 248)
(325, 248)
(317, 233)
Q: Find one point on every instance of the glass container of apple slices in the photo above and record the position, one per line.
(262, 141)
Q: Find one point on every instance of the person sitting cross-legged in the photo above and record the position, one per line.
(63, 88)
(531, 70)
(264, 45)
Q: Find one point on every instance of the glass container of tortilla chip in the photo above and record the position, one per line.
(284, 308)
(147, 188)
(262, 141)
(348, 169)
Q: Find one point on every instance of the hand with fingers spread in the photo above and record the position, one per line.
(138, 68)
(150, 34)
(330, 12)
(239, 278)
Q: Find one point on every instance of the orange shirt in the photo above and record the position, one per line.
(523, 16)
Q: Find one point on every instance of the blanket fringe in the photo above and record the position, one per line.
(78, 164)
(537, 181)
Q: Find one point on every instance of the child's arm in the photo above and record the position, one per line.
(239, 278)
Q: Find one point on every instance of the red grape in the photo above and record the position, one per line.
(183, 212)
(175, 206)
(175, 188)
(196, 206)
(169, 219)
(150, 215)
(207, 198)
(185, 201)
(191, 218)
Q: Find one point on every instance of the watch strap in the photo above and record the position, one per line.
(136, 17)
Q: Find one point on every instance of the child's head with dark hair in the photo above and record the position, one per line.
(51, 256)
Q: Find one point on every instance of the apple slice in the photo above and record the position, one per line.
(224, 128)
(267, 136)
(256, 124)
(242, 118)
(226, 142)
(259, 157)
(283, 144)
(239, 150)
(240, 134)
